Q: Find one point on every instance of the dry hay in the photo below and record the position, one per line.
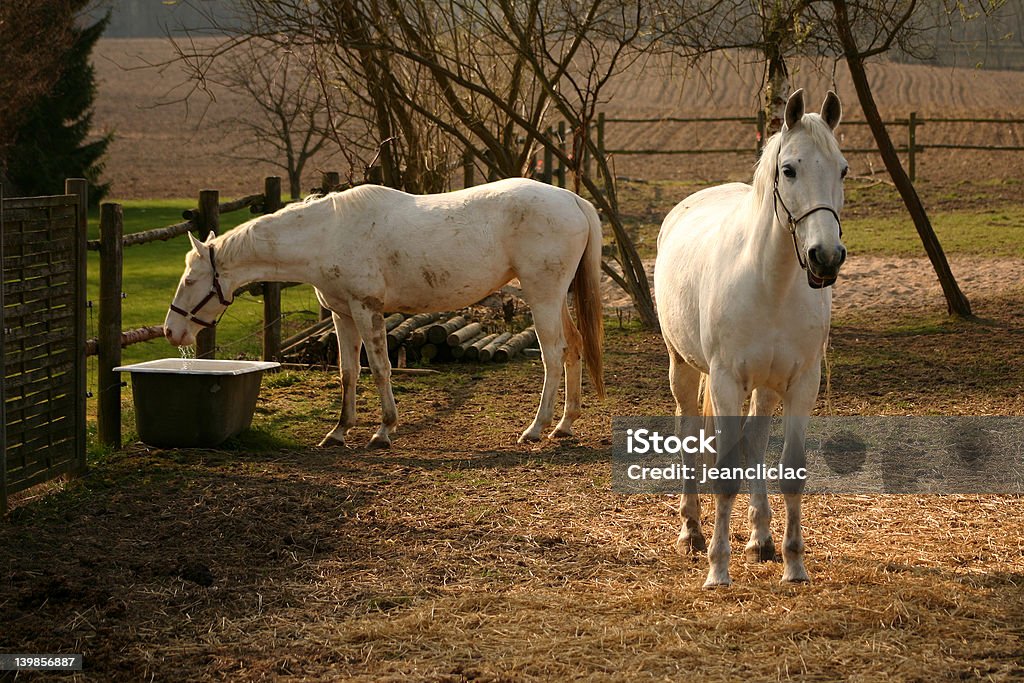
(460, 555)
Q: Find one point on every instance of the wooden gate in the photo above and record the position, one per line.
(42, 335)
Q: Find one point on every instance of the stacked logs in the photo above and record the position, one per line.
(426, 338)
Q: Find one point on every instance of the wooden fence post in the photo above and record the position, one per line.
(108, 404)
(561, 146)
(602, 155)
(912, 146)
(80, 188)
(467, 169)
(585, 166)
(492, 171)
(330, 181)
(3, 375)
(209, 221)
(549, 158)
(761, 128)
(271, 290)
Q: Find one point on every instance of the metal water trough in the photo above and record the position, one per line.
(194, 403)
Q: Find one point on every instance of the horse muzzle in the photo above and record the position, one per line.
(182, 337)
(823, 267)
(816, 282)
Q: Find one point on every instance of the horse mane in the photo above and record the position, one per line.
(243, 238)
(240, 239)
(766, 167)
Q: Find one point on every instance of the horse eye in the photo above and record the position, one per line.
(189, 282)
(789, 171)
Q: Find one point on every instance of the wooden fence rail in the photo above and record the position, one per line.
(911, 148)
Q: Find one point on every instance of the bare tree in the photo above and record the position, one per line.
(853, 30)
(428, 79)
(286, 118)
(881, 25)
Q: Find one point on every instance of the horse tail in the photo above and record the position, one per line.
(707, 409)
(587, 286)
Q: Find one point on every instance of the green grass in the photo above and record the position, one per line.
(876, 222)
(998, 233)
(151, 273)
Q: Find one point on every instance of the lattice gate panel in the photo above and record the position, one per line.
(42, 341)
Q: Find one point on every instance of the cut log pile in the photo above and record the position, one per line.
(423, 338)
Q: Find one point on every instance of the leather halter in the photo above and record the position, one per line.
(791, 223)
(215, 291)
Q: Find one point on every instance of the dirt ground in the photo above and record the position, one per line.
(889, 285)
(459, 555)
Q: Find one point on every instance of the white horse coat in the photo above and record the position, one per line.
(741, 280)
(372, 249)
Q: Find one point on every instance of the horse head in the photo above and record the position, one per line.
(808, 192)
(199, 299)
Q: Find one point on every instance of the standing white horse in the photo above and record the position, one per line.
(742, 281)
(372, 249)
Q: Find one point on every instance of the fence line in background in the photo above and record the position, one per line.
(911, 148)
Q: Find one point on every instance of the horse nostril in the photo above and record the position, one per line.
(842, 255)
(812, 254)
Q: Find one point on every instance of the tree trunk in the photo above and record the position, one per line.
(777, 92)
(956, 302)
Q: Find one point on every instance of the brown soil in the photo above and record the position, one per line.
(460, 555)
(889, 285)
(172, 150)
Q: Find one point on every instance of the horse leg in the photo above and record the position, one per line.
(547, 320)
(798, 404)
(573, 375)
(370, 321)
(756, 430)
(348, 353)
(726, 402)
(685, 384)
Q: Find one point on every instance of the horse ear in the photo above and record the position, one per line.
(198, 246)
(795, 108)
(832, 110)
(210, 236)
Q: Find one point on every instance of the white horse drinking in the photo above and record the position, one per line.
(741, 280)
(372, 249)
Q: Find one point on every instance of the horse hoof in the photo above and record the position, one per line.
(379, 442)
(331, 441)
(529, 437)
(691, 545)
(760, 552)
(562, 434)
(717, 582)
(799, 576)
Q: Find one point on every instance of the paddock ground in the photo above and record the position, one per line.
(460, 555)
